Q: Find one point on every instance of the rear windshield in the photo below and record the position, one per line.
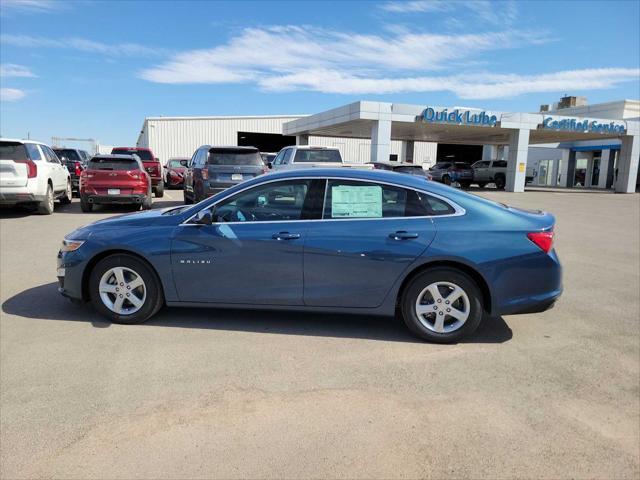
(145, 155)
(177, 163)
(417, 170)
(67, 152)
(228, 156)
(318, 156)
(13, 151)
(98, 163)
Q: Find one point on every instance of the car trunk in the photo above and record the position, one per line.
(230, 165)
(103, 175)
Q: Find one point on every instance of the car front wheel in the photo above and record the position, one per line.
(499, 181)
(442, 305)
(124, 289)
(446, 180)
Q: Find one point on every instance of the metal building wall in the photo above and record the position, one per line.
(180, 136)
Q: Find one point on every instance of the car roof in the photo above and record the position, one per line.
(312, 147)
(116, 156)
(389, 163)
(131, 148)
(22, 140)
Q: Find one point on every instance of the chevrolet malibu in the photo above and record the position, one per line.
(332, 240)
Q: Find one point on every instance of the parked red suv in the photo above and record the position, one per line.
(151, 165)
(110, 179)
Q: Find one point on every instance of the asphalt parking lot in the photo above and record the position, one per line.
(206, 393)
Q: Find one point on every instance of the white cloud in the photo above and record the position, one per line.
(482, 86)
(11, 94)
(83, 45)
(14, 70)
(31, 6)
(495, 13)
(290, 58)
(258, 53)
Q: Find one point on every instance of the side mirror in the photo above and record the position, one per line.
(157, 159)
(270, 165)
(203, 217)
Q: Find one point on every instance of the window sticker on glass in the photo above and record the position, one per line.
(352, 201)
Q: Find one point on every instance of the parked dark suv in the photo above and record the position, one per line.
(214, 169)
(76, 161)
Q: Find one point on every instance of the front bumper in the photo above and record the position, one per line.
(69, 271)
(115, 199)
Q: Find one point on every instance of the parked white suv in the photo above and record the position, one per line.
(32, 174)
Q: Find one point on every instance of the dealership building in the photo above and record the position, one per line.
(568, 145)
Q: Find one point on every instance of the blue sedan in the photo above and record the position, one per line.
(331, 240)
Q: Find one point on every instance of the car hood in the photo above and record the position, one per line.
(139, 219)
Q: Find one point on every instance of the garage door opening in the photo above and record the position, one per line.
(265, 142)
(448, 152)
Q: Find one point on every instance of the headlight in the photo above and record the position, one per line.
(70, 245)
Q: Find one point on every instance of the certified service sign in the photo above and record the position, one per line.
(458, 117)
(583, 125)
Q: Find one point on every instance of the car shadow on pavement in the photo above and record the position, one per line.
(45, 303)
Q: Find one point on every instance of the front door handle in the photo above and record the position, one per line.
(285, 236)
(402, 235)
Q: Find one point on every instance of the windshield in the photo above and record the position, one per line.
(13, 151)
(67, 152)
(177, 163)
(145, 155)
(318, 156)
(228, 156)
(98, 163)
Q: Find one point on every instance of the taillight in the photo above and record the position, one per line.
(205, 173)
(544, 240)
(32, 168)
(78, 169)
(134, 174)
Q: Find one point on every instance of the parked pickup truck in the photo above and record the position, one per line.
(495, 171)
(305, 156)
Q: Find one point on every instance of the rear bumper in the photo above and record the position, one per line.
(114, 199)
(19, 195)
(216, 187)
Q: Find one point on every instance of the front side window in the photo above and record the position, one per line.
(500, 164)
(288, 153)
(276, 201)
(481, 164)
(51, 157)
(279, 157)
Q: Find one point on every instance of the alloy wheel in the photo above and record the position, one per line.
(443, 307)
(122, 290)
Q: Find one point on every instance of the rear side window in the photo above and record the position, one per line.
(13, 151)
(354, 199)
(318, 156)
(97, 163)
(145, 155)
(230, 156)
(34, 151)
(500, 164)
(435, 206)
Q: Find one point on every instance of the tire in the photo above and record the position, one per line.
(146, 205)
(45, 207)
(465, 185)
(499, 181)
(446, 179)
(85, 206)
(68, 195)
(482, 184)
(103, 283)
(425, 324)
(159, 190)
(187, 199)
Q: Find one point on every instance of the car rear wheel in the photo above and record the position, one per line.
(442, 305)
(499, 181)
(68, 195)
(45, 207)
(147, 203)
(160, 190)
(124, 289)
(85, 206)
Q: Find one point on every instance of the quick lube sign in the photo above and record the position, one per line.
(459, 117)
(583, 125)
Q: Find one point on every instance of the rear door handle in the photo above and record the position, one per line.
(402, 235)
(285, 236)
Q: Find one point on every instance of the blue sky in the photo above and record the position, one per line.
(96, 69)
